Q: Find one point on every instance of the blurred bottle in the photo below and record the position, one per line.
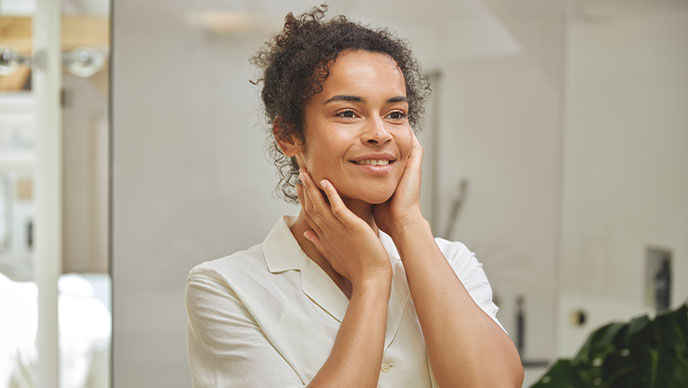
(520, 325)
(663, 286)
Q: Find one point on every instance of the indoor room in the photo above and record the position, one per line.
(134, 146)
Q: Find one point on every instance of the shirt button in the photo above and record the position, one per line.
(386, 367)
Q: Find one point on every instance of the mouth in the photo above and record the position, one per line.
(379, 165)
(373, 162)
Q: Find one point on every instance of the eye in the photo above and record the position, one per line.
(397, 115)
(349, 114)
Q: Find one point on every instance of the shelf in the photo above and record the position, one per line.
(77, 31)
(16, 161)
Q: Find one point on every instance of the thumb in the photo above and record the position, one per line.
(315, 240)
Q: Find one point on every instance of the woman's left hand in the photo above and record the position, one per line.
(404, 205)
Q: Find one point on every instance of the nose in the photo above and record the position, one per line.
(375, 132)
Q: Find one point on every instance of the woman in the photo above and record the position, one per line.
(355, 291)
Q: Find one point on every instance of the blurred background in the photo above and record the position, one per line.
(132, 147)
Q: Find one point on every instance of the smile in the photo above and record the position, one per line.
(372, 162)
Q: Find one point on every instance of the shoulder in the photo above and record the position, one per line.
(457, 253)
(229, 276)
(452, 247)
(242, 278)
(247, 260)
(471, 273)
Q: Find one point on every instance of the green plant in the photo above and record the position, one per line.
(641, 353)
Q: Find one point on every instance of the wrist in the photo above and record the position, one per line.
(411, 223)
(379, 283)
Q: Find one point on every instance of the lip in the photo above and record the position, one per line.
(375, 156)
(379, 171)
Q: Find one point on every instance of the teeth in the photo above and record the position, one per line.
(373, 162)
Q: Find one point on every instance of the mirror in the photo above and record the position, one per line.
(75, 299)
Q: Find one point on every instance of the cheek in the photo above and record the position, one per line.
(319, 162)
(324, 152)
(405, 143)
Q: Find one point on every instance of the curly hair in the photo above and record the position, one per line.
(296, 62)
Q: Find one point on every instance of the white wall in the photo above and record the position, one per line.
(501, 131)
(85, 176)
(511, 160)
(190, 180)
(625, 159)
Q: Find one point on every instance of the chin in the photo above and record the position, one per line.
(377, 198)
(379, 201)
(374, 194)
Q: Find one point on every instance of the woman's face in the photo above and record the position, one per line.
(357, 133)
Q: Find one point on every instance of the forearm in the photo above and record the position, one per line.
(465, 346)
(357, 351)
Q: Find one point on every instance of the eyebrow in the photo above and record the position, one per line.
(398, 99)
(360, 99)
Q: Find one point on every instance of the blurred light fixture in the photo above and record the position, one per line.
(81, 62)
(10, 60)
(230, 22)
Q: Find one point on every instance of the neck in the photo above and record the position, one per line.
(361, 209)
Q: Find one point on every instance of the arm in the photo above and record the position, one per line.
(357, 352)
(354, 252)
(465, 346)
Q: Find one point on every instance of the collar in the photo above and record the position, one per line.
(283, 253)
(281, 250)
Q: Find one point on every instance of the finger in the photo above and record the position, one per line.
(309, 220)
(339, 210)
(312, 223)
(318, 207)
(305, 193)
(315, 240)
(416, 151)
(415, 160)
(299, 159)
(310, 187)
(409, 185)
(303, 199)
(299, 193)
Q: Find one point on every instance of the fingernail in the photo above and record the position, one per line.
(323, 183)
(301, 175)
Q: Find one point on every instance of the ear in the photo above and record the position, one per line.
(290, 146)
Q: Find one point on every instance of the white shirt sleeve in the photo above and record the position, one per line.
(471, 273)
(226, 346)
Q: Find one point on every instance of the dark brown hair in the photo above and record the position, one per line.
(295, 63)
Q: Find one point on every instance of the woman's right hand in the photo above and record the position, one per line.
(349, 244)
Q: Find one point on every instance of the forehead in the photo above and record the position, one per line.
(364, 72)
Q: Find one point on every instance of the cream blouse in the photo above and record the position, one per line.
(268, 316)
